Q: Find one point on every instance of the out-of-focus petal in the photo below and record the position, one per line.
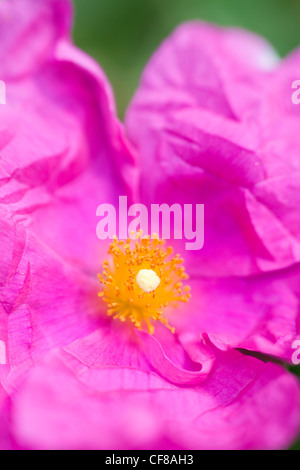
(245, 404)
(6, 439)
(29, 30)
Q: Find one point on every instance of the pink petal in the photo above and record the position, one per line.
(260, 313)
(245, 404)
(45, 301)
(207, 124)
(28, 31)
(6, 440)
(119, 345)
(63, 150)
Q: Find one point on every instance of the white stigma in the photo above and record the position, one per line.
(147, 279)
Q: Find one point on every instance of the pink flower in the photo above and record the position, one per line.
(216, 125)
(205, 130)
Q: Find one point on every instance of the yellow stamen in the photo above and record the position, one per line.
(143, 279)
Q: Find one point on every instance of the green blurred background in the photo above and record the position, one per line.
(122, 34)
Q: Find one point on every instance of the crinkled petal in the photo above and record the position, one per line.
(218, 128)
(260, 313)
(63, 150)
(45, 301)
(119, 345)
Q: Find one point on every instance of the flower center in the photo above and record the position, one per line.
(142, 280)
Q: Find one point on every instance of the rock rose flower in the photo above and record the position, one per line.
(213, 123)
